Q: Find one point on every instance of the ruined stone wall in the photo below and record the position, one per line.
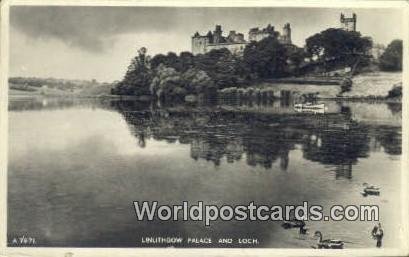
(258, 36)
(235, 48)
(199, 45)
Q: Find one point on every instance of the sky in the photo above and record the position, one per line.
(74, 42)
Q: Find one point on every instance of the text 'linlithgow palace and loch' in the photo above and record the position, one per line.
(235, 42)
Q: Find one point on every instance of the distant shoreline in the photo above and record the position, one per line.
(371, 86)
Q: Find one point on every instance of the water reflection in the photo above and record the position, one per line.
(76, 165)
(262, 133)
(262, 136)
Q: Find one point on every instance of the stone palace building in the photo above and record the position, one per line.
(235, 42)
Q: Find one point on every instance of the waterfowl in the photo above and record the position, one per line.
(366, 185)
(370, 189)
(377, 234)
(293, 223)
(302, 230)
(328, 243)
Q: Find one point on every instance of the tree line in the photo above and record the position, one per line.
(173, 76)
(63, 84)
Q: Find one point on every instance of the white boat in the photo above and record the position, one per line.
(315, 111)
(310, 106)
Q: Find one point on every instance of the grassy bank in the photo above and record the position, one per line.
(367, 87)
(373, 85)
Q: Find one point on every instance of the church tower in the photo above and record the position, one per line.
(348, 24)
(286, 34)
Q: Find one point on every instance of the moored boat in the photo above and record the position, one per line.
(310, 106)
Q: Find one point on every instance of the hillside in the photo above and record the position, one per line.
(373, 84)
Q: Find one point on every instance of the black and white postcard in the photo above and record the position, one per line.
(205, 128)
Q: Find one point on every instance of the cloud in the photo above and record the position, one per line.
(96, 28)
(89, 28)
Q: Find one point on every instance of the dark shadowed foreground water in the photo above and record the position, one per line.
(76, 166)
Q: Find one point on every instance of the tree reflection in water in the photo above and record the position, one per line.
(261, 137)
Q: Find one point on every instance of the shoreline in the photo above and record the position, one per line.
(366, 87)
(136, 98)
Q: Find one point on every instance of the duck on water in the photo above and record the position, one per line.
(328, 243)
(370, 190)
(295, 223)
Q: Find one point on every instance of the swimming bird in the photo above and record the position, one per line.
(366, 185)
(370, 189)
(293, 223)
(302, 230)
(328, 243)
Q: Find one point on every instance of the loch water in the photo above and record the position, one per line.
(76, 166)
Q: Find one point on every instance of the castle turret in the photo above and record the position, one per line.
(217, 35)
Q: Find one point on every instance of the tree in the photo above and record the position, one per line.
(266, 58)
(207, 61)
(224, 68)
(396, 91)
(197, 82)
(157, 60)
(180, 63)
(172, 60)
(337, 47)
(186, 61)
(166, 83)
(138, 76)
(295, 59)
(391, 59)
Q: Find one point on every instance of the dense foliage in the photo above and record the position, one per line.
(168, 83)
(396, 91)
(266, 58)
(137, 77)
(337, 47)
(391, 59)
(177, 75)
